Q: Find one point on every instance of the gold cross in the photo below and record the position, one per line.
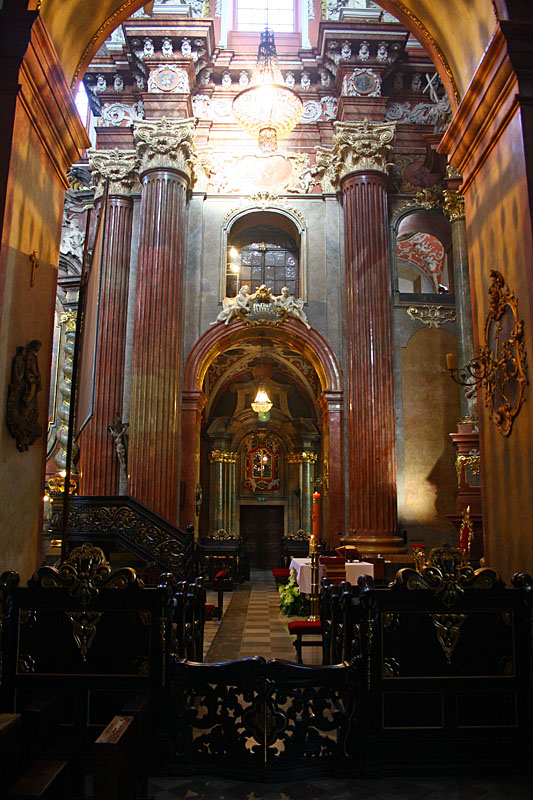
(34, 264)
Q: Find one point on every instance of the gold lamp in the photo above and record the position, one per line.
(267, 108)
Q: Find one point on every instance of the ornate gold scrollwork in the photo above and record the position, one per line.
(299, 536)
(504, 356)
(448, 628)
(221, 456)
(84, 573)
(25, 664)
(221, 534)
(84, 628)
(472, 462)
(391, 668)
(448, 574)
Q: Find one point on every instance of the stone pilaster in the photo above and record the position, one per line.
(362, 156)
(100, 468)
(454, 208)
(166, 162)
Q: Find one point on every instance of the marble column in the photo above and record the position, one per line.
(362, 153)
(100, 467)
(454, 208)
(332, 467)
(306, 461)
(165, 151)
(222, 491)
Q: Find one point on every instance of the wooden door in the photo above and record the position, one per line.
(261, 533)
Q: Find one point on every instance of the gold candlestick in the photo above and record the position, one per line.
(315, 588)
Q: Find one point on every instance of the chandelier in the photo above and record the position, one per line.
(262, 403)
(267, 108)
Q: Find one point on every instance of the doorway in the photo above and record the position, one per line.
(261, 534)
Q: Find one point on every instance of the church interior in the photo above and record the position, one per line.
(266, 317)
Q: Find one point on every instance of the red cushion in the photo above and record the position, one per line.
(281, 572)
(209, 608)
(221, 574)
(304, 626)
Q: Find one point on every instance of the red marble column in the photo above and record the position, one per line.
(370, 376)
(193, 403)
(154, 446)
(98, 463)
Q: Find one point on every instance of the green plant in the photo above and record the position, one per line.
(290, 599)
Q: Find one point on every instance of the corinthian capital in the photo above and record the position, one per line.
(454, 205)
(166, 144)
(119, 166)
(363, 146)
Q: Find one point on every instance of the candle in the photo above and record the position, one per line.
(316, 516)
(450, 361)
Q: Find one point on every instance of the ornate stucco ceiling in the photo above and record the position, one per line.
(455, 32)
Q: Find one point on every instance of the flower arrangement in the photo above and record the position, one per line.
(290, 599)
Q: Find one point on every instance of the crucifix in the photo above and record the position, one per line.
(34, 264)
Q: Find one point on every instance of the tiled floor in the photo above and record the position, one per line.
(264, 629)
(447, 788)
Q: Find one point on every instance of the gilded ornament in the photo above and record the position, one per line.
(223, 456)
(448, 627)
(471, 462)
(454, 205)
(84, 629)
(448, 574)
(84, 573)
(302, 458)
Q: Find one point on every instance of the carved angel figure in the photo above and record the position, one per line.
(231, 306)
(291, 305)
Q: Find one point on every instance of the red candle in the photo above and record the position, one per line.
(316, 516)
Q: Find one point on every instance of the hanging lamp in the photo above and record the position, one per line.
(267, 108)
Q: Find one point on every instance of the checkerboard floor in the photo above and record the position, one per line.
(264, 632)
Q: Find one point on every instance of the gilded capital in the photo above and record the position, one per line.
(166, 144)
(302, 458)
(454, 205)
(68, 319)
(223, 457)
(363, 146)
(117, 166)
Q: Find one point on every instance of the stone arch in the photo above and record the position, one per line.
(316, 349)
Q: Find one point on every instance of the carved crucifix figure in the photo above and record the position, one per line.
(34, 260)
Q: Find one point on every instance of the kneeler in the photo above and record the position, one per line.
(301, 627)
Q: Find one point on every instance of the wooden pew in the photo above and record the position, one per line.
(44, 780)
(114, 753)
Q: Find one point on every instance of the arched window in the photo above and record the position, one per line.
(255, 15)
(262, 255)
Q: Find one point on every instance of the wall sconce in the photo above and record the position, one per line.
(500, 367)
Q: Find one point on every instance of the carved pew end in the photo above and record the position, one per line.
(46, 779)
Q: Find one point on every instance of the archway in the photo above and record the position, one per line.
(292, 348)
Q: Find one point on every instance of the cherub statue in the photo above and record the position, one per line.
(231, 306)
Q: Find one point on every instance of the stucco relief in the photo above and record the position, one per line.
(249, 173)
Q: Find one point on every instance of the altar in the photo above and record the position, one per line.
(302, 570)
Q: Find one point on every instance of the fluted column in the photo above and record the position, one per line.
(306, 461)
(165, 151)
(362, 152)
(100, 467)
(222, 491)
